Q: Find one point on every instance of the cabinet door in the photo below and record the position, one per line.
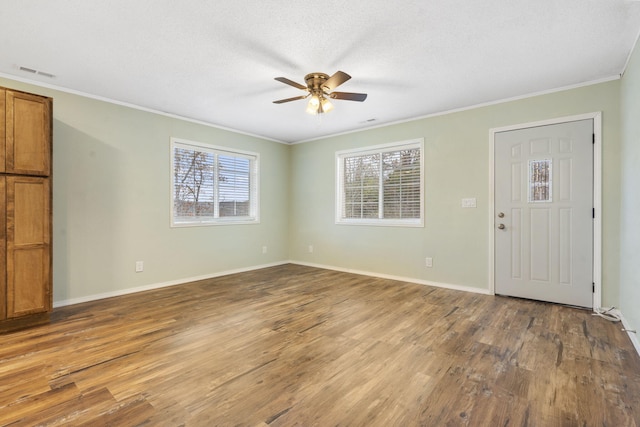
(3, 124)
(3, 252)
(28, 248)
(28, 134)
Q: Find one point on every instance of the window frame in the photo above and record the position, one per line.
(254, 185)
(369, 150)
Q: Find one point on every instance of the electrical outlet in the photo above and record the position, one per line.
(139, 266)
(310, 249)
(264, 249)
(428, 262)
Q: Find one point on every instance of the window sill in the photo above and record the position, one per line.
(382, 222)
(204, 223)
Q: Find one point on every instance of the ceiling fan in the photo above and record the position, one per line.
(320, 87)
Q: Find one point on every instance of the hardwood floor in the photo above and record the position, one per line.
(299, 346)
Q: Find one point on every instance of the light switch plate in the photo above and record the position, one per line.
(469, 202)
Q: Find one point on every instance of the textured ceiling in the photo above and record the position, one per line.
(215, 61)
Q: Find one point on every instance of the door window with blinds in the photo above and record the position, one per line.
(212, 185)
(381, 185)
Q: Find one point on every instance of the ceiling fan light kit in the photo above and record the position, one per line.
(325, 105)
(320, 87)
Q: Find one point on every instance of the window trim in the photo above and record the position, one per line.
(377, 149)
(254, 184)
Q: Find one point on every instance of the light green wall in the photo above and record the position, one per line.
(111, 200)
(630, 197)
(457, 166)
(111, 197)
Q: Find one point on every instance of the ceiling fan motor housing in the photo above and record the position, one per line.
(314, 82)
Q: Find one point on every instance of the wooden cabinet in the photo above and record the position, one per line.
(25, 209)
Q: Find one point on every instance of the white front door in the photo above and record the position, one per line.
(544, 213)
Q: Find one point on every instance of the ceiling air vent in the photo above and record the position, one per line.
(32, 71)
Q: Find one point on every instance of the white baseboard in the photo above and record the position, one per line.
(399, 278)
(632, 336)
(160, 285)
(152, 286)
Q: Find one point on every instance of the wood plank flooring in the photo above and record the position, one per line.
(300, 346)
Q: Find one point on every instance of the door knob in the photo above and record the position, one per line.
(501, 215)
(501, 227)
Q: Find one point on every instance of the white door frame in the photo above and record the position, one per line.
(597, 196)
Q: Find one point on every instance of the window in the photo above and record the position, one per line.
(212, 185)
(381, 185)
(539, 181)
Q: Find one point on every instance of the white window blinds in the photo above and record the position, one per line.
(213, 185)
(381, 185)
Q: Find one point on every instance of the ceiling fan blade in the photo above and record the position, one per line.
(295, 98)
(336, 80)
(349, 96)
(290, 83)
